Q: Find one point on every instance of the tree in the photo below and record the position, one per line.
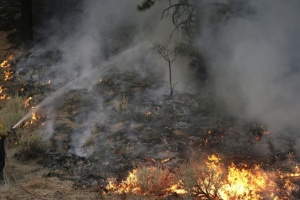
(169, 56)
(182, 13)
(188, 16)
(185, 14)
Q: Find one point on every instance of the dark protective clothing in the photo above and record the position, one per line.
(2, 158)
(3, 135)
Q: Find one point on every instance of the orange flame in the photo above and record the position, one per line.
(8, 74)
(5, 63)
(3, 96)
(216, 181)
(27, 102)
(34, 118)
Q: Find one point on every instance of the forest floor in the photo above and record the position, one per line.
(132, 126)
(30, 180)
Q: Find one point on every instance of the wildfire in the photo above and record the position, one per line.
(211, 180)
(27, 102)
(8, 74)
(5, 63)
(3, 96)
(34, 118)
(246, 183)
(143, 181)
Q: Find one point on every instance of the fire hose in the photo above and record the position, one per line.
(9, 132)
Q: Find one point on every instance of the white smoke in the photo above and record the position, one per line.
(106, 34)
(255, 64)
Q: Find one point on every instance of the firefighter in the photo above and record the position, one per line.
(3, 135)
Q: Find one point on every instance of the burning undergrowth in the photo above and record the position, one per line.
(125, 141)
(124, 137)
(208, 179)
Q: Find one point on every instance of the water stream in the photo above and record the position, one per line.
(91, 77)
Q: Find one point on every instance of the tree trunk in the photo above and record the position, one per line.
(26, 22)
(170, 76)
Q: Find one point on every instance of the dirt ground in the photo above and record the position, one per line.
(28, 180)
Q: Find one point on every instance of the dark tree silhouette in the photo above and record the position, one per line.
(169, 56)
(26, 29)
(188, 17)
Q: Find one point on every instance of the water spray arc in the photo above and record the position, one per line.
(90, 76)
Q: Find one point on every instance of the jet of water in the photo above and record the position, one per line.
(93, 76)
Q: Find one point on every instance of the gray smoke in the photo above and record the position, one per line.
(103, 35)
(253, 59)
(255, 64)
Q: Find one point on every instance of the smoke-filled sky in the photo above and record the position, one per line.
(255, 63)
(109, 28)
(253, 60)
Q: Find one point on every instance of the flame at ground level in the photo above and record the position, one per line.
(209, 180)
(8, 74)
(2, 95)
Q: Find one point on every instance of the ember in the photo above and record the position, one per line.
(2, 95)
(8, 74)
(27, 102)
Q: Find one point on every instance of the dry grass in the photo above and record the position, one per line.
(154, 179)
(12, 111)
(201, 181)
(144, 180)
(6, 186)
(122, 106)
(31, 145)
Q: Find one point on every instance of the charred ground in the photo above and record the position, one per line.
(120, 123)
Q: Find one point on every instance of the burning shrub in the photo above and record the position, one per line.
(201, 180)
(209, 179)
(213, 180)
(144, 180)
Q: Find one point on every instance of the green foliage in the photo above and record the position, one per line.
(12, 111)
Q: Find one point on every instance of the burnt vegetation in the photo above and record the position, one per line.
(122, 137)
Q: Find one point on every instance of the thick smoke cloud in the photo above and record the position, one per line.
(103, 35)
(253, 60)
(105, 29)
(255, 64)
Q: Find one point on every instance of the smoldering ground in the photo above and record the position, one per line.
(253, 62)
(106, 37)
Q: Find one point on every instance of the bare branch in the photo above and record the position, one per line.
(171, 6)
